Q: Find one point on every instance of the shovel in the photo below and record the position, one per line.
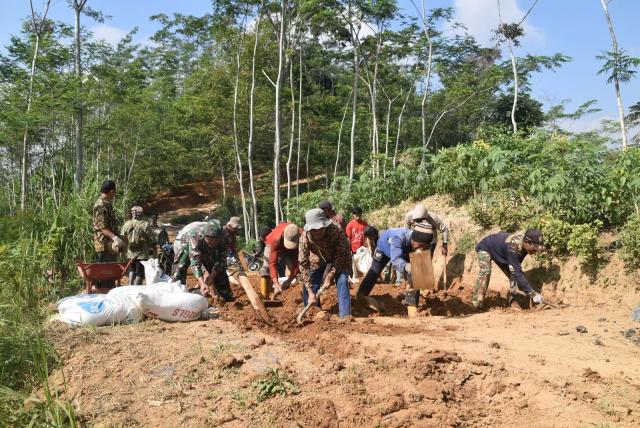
(245, 268)
(328, 277)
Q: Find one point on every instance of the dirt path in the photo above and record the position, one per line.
(504, 367)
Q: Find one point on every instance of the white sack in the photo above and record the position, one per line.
(153, 273)
(98, 310)
(363, 260)
(172, 306)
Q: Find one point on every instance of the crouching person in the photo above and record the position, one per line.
(507, 250)
(323, 244)
(395, 245)
(206, 253)
(280, 253)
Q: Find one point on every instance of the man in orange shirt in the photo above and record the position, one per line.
(280, 252)
(355, 229)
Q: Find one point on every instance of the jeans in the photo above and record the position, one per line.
(380, 260)
(342, 285)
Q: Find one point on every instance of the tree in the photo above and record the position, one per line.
(620, 67)
(78, 6)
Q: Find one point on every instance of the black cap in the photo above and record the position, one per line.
(325, 205)
(108, 186)
(356, 210)
(421, 237)
(534, 236)
(370, 231)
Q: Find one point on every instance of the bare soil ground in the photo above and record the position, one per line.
(503, 367)
(576, 363)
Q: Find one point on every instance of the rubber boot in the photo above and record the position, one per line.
(266, 287)
(138, 280)
(131, 278)
(411, 302)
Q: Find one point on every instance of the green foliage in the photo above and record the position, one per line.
(583, 241)
(275, 382)
(556, 234)
(465, 243)
(630, 239)
(504, 210)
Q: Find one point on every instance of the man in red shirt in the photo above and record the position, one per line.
(355, 229)
(280, 252)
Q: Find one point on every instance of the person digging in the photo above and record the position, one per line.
(395, 245)
(206, 254)
(507, 250)
(323, 244)
(280, 253)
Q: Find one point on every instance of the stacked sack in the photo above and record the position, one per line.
(167, 301)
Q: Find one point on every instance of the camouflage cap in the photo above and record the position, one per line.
(212, 229)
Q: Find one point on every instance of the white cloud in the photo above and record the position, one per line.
(481, 18)
(108, 33)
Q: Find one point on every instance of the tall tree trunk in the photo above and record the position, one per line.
(423, 104)
(252, 96)
(404, 105)
(224, 183)
(354, 114)
(299, 120)
(277, 144)
(78, 6)
(236, 145)
(616, 80)
(514, 70)
(291, 135)
(374, 110)
(38, 27)
(344, 116)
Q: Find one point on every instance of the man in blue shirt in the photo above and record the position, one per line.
(394, 245)
(507, 250)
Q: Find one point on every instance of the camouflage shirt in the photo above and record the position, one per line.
(507, 250)
(332, 248)
(141, 239)
(103, 218)
(203, 256)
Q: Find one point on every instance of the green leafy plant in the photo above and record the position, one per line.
(583, 241)
(275, 382)
(556, 234)
(465, 243)
(630, 239)
(505, 210)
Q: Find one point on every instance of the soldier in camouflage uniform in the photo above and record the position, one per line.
(206, 254)
(106, 241)
(141, 242)
(507, 250)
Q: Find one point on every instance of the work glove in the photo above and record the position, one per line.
(537, 298)
(444, 250)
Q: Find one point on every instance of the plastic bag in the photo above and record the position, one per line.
(153, 273)
(363, 260)
(99, 310)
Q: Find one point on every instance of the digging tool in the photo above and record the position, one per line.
(265, 301)
(445, 272)
(254, 298)
(328, 277)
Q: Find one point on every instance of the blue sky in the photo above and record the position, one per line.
(576, 28)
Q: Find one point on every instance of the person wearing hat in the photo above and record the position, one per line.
(280, 253)
(420, 215)
(507, 250)
(181, 238)
(106, 242)
(141, 241)
(331, 213)
(323, 244)
(395, 245)
(231, 228)
(206, 254)
(355, 229)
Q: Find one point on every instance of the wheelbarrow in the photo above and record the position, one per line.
(91, 273)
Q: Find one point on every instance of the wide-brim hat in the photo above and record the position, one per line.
(235, 222)
(291, 236)
(316, 219)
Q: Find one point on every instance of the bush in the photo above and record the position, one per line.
(583, 241)
(630, 239)
(556, 233)
(275, 382)
(507, 211)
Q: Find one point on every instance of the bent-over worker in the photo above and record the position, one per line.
(507, 250)
(280, 253)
